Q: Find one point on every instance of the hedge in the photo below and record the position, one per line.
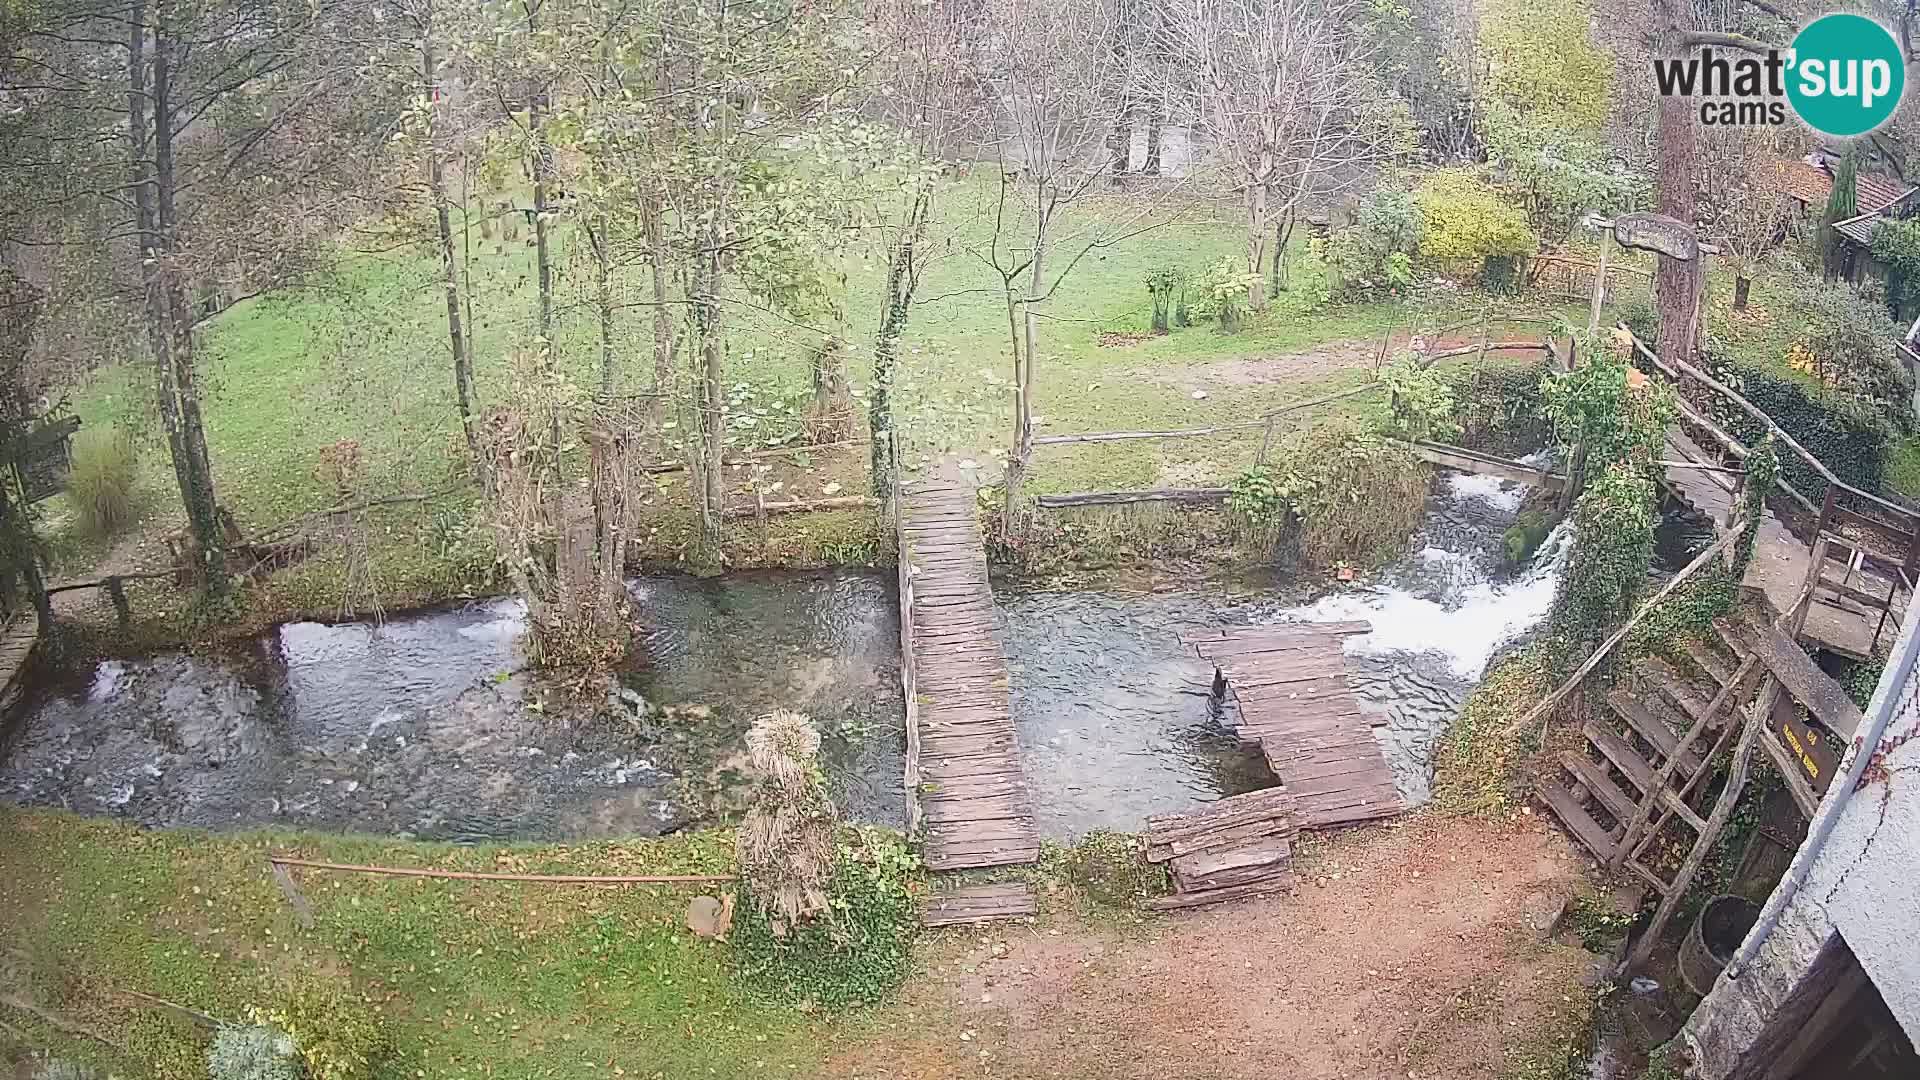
(1847, 435)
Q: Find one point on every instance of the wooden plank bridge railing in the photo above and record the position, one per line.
(1874, 541)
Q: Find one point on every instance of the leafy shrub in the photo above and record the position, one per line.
(1557, 174)
(1106, 868)
(1376, 252)
(1613, 546)
(1162, 283)
(1846, 341)
(1423, 401)
(1222, 288)
(337, 1035)
(1463, 220)
(1497, 405)
(1641, 317)
(860, 950)
(253, 1052)
(1347, 495)
(1896, 245)
(100, 487)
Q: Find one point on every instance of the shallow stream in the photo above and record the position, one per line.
(424, 725)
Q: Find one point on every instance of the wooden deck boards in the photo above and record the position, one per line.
(17, 639)
(978, 904)
(1296, 704)
(1780, 561)
(973, 797)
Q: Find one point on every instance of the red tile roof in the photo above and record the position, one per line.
(1873, 191)
(1808, 183)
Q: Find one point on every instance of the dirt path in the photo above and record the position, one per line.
(1308, 365)
(1409, 952)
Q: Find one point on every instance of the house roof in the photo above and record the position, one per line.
(1859, 228)
(1876, 191)
(1806, 182)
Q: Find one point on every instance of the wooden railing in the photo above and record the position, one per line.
(1867, 531)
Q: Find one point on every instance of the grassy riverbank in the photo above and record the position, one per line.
(360, 357)
(466, 978)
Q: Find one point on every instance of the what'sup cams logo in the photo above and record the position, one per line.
(1843, 76)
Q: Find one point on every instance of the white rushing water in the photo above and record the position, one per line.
(1449, 601)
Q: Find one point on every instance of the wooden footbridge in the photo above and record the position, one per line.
(1854, 553)
(1297, 706)
(965, 787)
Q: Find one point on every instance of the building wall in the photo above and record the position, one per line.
(1864, 883)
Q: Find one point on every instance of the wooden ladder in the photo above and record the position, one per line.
(1659, 771)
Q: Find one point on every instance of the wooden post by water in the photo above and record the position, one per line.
(1600, 282)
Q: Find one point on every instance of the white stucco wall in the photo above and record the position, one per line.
(1865, 882)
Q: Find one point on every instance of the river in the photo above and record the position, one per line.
(424, 725)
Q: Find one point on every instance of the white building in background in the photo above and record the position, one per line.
(1827, 984)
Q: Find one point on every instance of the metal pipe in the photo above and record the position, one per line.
(1886, 698)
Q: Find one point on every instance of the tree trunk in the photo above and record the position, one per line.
(1282, 260)
(1741, 286)
(542, 246)
(603, 301)
(1120, 142)
(663, 336)
(1673, 283)
(902, 276)
(449, 270)
(1256, 244)
(712, 434)
(168, 315)
(1151, 166)
(1022, 325)
(1674, 287)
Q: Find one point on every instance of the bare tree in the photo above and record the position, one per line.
(1051, 71)
(1740, 201)
(1284, 92)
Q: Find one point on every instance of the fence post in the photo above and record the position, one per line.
(1600, 283)
(117, 592)
(1266, 441)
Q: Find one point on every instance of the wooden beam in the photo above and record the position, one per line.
(1121, 498)
(1464, 460)
(1607, 646)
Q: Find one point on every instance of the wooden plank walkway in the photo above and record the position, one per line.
(1296, 704)
(1781, 562)
(17, 640)
(965, 762)
(979, 903)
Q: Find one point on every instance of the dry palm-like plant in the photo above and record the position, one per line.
(786, 842)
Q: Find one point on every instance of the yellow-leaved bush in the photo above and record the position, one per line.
(1463, 218)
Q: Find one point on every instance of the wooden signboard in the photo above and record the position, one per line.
(1807, 745)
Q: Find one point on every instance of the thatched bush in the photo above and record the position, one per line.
(101, 485)
(786, 842)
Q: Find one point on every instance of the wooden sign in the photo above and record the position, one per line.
(1656, 232)
(1817, 760)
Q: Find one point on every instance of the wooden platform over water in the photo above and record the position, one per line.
(1782, 561)
(964, 763)
(17, 639)
(1290, 681)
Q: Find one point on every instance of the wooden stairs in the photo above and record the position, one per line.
(1645, 756)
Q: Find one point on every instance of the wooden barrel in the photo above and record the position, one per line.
(1714, 937)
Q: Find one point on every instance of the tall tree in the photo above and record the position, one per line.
(1843, 202)
(224, 164)
(1286, 93)
(1051, 74)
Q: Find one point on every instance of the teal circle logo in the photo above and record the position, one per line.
(1845, 75)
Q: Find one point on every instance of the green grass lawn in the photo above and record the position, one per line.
(467, 978)
(362, 356)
